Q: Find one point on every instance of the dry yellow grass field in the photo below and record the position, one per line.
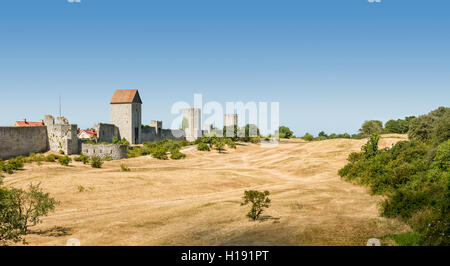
(196, 201)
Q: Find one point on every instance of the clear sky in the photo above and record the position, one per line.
(330, 63)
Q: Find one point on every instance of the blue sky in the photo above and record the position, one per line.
(331, 64)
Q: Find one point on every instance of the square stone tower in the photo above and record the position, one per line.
(230, 120)
(126, 114)
(192, 123)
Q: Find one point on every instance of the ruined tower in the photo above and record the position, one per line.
(192, 123)
(231, 120)
(126, 114)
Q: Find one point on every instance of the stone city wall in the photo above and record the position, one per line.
(115, 151)
(15, 141)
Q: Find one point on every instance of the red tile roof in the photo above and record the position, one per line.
(91, 133)
(29, 124)
(126, 96)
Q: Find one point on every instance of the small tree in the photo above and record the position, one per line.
(96, 162)
(370, 149)
(323, 134)
(220, 145)
(259, 201)
(285, 132)
(20, 209)
(371, 127)
(308, 137)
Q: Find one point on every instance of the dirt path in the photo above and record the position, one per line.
(196, 201)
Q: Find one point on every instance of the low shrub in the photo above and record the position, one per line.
(82, 158)
(124, 168)
(107, 158)
(177, 155)
(308, 137)
(160, 152)
(64, 160)
(96, 162)
(203, 147)
(230, 143)
(51, 158)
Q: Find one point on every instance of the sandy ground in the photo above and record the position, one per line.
(196, 201)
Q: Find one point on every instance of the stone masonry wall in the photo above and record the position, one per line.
(106, 132)
(116, 151)
(15, 141)
(150, 134)
(63, 137)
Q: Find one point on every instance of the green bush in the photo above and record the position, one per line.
(432, 127)
(51, 158)
(357, 136)
(160, 152)
(413, 175)
(124, 168)
(123, 141)
(308, 137)
(96, 162)
(82, 158)
(400, 126)
(177, 155)
(230, 143)
(107, 158)
(64, 160)
(203, 147)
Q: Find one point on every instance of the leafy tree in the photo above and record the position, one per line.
(308, 137)
(371, 127)
(322, 134)
(285, 132)
(431, 127)
(20, 209)
(370, 149)
(397, 126)
(220, 145)
(259, 201)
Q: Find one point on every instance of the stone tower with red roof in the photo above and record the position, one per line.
(126, 114)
